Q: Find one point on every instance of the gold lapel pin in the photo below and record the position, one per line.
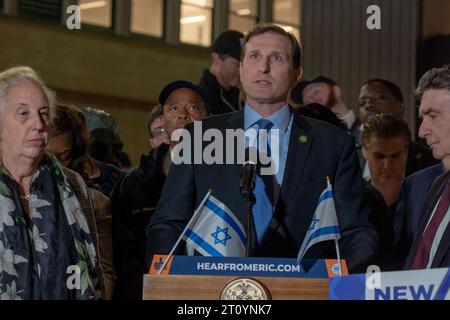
(303, 139)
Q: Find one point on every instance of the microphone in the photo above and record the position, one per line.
(248, 178)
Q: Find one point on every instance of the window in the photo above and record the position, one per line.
(196, 22)
(147, 17)
(42, 9)
(287, 14)
(243, 15)
(96, 12)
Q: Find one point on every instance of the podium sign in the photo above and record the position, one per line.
(430, 284)
(212, 278)
(247, 267)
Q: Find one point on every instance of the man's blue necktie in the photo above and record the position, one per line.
(262, 210)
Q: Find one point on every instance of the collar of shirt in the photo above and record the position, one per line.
(280, 119)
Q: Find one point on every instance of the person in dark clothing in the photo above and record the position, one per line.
(136, 194)
(385, 140)
(134, 199)
(221, 80)
(382, 217)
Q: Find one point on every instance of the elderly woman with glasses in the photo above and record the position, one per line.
(47, 250)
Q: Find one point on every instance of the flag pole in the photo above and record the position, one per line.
(338, 258)
(184, 231)
(335, 241)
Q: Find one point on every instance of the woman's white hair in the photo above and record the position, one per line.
(11, 77)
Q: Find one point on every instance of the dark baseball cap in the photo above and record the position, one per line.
(229, 42)
(171, 87)
(297, 91)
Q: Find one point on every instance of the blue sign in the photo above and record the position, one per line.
(249, 266)
(432, 284)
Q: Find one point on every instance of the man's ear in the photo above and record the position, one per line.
(215, 57)
(364, 152)
(297, 76)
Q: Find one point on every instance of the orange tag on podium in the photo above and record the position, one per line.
(157, 263)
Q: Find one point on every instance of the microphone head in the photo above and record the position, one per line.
(248, 178)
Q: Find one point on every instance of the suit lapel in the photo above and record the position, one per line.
(300, 143)
(444, 245)
(433, 196)
(235, 121)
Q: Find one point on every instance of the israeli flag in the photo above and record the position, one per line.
(215, 231)
(324, 225)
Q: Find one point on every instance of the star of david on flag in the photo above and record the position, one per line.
(215, 231)
(324, 225)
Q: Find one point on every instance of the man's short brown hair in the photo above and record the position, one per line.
(385, 126)
(296, 51)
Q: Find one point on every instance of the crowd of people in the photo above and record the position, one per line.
(67, 200)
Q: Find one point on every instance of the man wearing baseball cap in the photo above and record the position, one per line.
(221, 81)
(137, 193)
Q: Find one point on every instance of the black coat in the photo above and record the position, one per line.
(133, 200)
(219, 100)
(383, 217)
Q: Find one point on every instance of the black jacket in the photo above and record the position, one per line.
(219, 100)
(390, 256)
(133, 200)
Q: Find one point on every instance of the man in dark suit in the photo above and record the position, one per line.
(412, 196)
(305, 156)
(431, 244)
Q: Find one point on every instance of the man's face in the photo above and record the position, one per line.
(229, 72)
(435, 127)
(318, 93)
(266, 70)
(386, 159)
(159, 136)
(183, 106)
(375, 98)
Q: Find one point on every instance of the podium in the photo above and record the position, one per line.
(180, 287)
(198, 278)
